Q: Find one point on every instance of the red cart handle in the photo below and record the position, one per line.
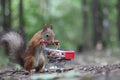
(49, 43)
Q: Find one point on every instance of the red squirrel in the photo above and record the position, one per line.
(27, 56)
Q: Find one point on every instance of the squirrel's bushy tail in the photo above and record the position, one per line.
(14, 45)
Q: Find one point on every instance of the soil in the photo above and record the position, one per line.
(92, 65)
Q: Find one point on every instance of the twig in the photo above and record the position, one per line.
(13, 72)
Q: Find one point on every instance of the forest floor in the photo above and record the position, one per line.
(91, 65)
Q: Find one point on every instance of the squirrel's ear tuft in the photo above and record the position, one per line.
(45, 27)
(51, 27)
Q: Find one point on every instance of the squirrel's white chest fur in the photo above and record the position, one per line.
(38, 54)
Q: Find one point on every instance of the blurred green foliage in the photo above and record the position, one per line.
(66, 17)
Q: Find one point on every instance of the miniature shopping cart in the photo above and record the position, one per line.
(58, 58)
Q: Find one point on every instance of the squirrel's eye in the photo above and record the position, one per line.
(47, 35)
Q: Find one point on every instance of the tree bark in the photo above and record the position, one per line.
(0, 17)
(85, 25)
(9, 13)
(21, 18)
(4, 24)
(6, 14)
(97, 21)
(106, 26)
(118, 21)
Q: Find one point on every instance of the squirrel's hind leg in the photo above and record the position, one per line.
(29, 63)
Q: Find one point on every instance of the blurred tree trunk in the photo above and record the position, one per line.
(21, 18)
(6, 13)
(118, 21)
(4, 24)
(85, 25)
(9, 14)
(97, 22)
(106, 26)
(0, 17)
